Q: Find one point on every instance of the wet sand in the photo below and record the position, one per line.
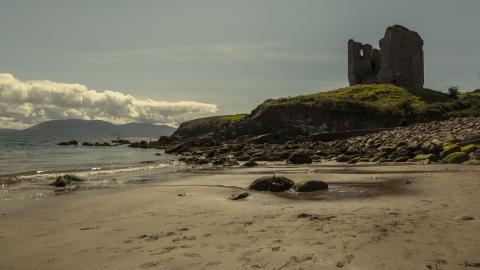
(373, 217)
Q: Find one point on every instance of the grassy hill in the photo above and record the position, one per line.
(349, 108)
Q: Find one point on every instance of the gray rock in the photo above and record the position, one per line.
(343, 158)
(353, 160)
(66, 180)
(250, 163)
(299, 158)
(271, 183)
(239, 196)
(450, 150)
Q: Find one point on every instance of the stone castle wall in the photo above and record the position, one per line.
(399, 60)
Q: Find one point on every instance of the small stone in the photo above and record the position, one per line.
(465, 218)
(239, 196)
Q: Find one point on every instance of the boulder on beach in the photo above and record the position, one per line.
(299, 158)
(72, 142)
(431, 157)
(448, 149)
(432, 147)
(250, 163)
(469, 148)
(379, 156)
(310, 185)
(66, 180)
(343, 158)
(271, 183)
(457, 157)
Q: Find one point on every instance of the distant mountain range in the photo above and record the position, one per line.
(77, 128)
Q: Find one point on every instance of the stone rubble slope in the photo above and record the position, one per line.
(455, 140)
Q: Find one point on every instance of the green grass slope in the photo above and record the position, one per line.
(384, 97)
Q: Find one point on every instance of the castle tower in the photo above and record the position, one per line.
(402, 58)
(399, 60)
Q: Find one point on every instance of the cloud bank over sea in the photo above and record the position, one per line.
(26, 103)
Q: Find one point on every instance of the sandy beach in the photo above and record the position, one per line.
(373, 217)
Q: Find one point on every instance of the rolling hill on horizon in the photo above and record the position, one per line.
(77, 127)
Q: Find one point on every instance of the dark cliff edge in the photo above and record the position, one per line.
(359, 107)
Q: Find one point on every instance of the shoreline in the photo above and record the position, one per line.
(149, 226)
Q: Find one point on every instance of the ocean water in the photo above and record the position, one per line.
(28, 165)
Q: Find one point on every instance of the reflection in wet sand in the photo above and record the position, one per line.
(352, 190)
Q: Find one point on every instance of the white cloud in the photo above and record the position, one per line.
(25, 103)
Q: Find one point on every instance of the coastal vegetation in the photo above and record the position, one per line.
(349, 108)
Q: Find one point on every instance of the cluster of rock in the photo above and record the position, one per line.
(453, 141)
(113, 143)
(281, 183)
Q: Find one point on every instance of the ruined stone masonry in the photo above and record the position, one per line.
(399, 60)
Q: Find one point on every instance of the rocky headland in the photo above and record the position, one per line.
(454, 141)
(362, 123)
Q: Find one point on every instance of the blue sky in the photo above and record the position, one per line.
(231, 54)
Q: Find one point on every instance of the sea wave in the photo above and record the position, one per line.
(84, 173)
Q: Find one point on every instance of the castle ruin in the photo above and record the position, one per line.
(399, 60)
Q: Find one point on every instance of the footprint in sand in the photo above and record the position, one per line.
(164, 251)
(192, 255)
(275, 249)
(149, 264)
(252, 252)
(303, 258)
(345, 261)
(151, 237)
(154, 237)
(184, 238)
(295, 259)
(214, 263)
